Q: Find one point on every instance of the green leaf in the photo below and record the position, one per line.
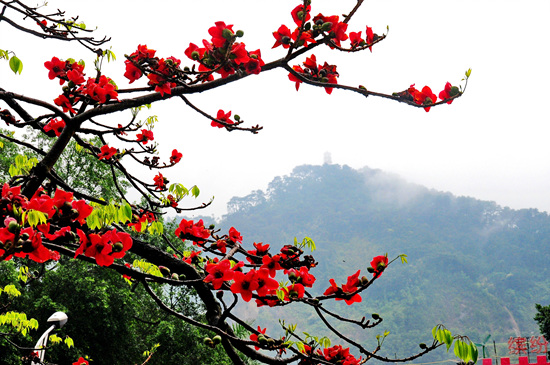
(403, 258)
(473, 353)
(16, 65)
(469, 72)
(195, 191)
(69, 342)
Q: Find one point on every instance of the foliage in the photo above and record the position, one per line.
(543, 319)
(50, 213)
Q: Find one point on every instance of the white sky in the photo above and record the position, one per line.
(491, 144)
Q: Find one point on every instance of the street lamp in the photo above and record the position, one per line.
(58, 319)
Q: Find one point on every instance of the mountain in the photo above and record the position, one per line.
(474, 266)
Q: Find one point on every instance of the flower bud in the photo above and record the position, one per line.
(454, 91)
(239, 33)
(175, 276)
(285, 40)
(24, 236)
(227, 33)
(292, 277)
(375, 316)
(195, 55)
(423, 346)
(164, 270)
(219, 294)
(117, 247)
(364, 280)
(217, 339)
(13, 226)
(300, 15)
(262, 340)
(326, 26)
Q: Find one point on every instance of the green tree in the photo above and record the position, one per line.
(543, 319)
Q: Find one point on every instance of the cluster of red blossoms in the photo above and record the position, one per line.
(306, 32)
(223, 54)
(105, 248)
(94, 90)
(21, 237)
(160, 72)
(325, 73)
(427, 97)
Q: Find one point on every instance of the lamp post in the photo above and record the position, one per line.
(58, 319)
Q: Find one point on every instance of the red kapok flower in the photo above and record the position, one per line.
(271, 264)
(219, 273)
(132, 72)
(379, 264)
(294, 291)
(55, 125)
(370, 37)
(282, 37)
(235, 235)
(266, 285)
(145, 136)
(295, 79)
(299, 15)
(160, 182)
(220, 33)
(447, 92)
(223, 117)
(176, 157)
(65, 103)
(424, 97)
(81, 361)
(355, 39)
(244, 284)
(107, 152)
(254, 337)
(56, 68)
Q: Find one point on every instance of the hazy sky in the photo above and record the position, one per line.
(491, 144)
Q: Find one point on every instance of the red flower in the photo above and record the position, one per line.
(75, 75)
(219, 273)
(107, 152)
(190, 230)
(254, 337)
(302, 276)
(271, 264)
(424, 97)
(60, 197)
(370, 37)
(244, 284)
(176, 157)
(65, 103)
(102, 91)
(33, 247)
(255, 63)
(81, 361)
(145, 136)
(56, 68)
(235, 235)
(379, 264)
(160, 182)
(299, 15)
(305, 37)
(295, 79)
(238, 53)
(447, 92)
(84, 210)
(132, 72)
(282, 37)
(355, 39)
(266, 285)
(294, 291)
(220, 33)
(223, 117)
(55, 125)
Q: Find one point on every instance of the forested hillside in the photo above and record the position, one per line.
(474, 266)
